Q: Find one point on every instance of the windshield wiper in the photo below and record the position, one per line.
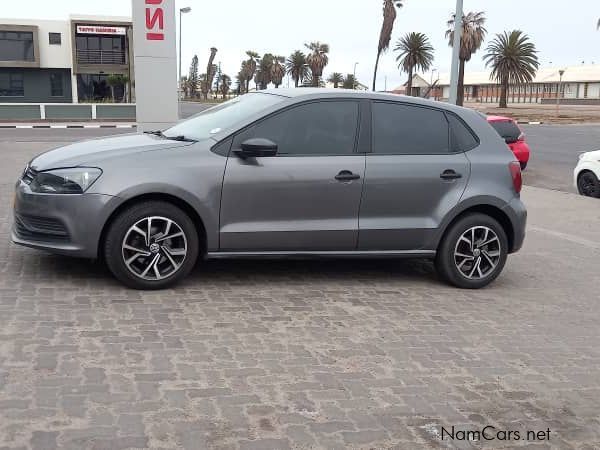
(180, 138)
(155, 133)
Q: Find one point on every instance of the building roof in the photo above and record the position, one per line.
(572, 74)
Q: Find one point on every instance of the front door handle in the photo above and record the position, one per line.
(450, 174)
(346, 175)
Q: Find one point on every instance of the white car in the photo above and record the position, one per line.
(587, 174)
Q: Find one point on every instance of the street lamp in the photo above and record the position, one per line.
(431, 82)
(182, 11)
(354, 75)
(453, 98)
(560, 73)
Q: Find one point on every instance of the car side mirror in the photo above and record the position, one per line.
(257, 147)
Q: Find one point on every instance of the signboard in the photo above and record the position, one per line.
(101, 29)
(155, 57)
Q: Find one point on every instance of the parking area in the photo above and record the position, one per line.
(307, 354)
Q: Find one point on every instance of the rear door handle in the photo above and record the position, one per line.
(346, 175)
(450, 174)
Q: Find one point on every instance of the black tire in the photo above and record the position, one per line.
(523, 166)
(445, 261)
(588, 184)
(114, 253)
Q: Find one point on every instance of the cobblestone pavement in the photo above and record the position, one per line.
(303, 354)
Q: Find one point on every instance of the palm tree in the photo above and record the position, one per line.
(297, 67)
(211, 69)
(336, 78)
(473, 34)
(241, 79)
(117, 80)
(225, 84)
(317, 59)
(414, 52)
(350, 82)
(277, 70)
(262, 78)
(513, 59)
(598, 25)
(250, 67)
(389, 17)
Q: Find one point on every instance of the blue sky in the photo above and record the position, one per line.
(564, 35)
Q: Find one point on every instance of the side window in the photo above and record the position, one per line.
(461, 137)
(409, 130)
(317, 128)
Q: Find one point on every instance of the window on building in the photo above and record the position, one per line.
(409, 130)
(16, 46)
(11, 84)
(55, 38)
(100, 49)
(56, 85)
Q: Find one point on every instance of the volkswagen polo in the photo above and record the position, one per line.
(301, 172)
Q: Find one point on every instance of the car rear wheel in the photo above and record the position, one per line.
(588, 184)
(473, 252)
(151, 245)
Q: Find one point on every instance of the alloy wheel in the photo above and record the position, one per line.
(154, 248)
(477, 252)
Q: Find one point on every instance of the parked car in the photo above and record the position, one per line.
(301, 172)
(510, 131)
(587, 174)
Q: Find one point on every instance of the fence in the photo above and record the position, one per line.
(67, 111)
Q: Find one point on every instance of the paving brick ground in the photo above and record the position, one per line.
(304, 354)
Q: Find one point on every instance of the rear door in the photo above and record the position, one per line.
(414, 175)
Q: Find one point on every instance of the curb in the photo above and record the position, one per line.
(529, 123)
(66, 126)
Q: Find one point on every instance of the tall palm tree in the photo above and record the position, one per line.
(211, 69)
(317, 59)
(297, 67)
(277, 71)
(513, 59)
(414, 52)
(241, 79)
(225, 84)
(389, 17)
(336, 78)
(251, 63)
(473, 34)
(263, 72)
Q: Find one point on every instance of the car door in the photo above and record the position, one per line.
(414, 176)
(307, 197)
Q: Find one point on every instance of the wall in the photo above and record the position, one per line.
(58, 111)
(36, 86)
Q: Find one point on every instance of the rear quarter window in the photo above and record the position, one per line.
(462, 139)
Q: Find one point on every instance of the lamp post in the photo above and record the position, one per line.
(453, 97)
(560, 73)
(431, 82)
(354, 76)
(182, 11)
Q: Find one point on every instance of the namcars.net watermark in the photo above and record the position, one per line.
(491, 433)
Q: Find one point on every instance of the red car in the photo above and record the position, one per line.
(508, 129)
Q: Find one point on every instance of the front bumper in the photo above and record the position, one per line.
(517, 213)
(64, 224)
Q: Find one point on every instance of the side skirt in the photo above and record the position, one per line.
(335, 254)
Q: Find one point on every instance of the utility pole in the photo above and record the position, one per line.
(458, 15)
(182, 11)
(560, 73)
(354, 75)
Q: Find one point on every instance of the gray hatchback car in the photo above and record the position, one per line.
(302, 172)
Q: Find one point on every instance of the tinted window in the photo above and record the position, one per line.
(508, 130)
(319, 128)
(11, 84)
(409, 130)
(16, 46)
(54, 38)
(461, 137)
(56, 85)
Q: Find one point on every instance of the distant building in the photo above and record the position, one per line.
(51, 61)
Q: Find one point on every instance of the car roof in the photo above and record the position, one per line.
(499, 119)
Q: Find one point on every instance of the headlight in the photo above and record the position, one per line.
(65, 181)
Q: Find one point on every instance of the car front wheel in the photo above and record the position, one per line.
(473, 252)
(151, 245)
(588, 184)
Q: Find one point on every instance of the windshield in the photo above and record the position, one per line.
(507, 129)
(222, 117)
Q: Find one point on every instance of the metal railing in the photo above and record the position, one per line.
(101, 57)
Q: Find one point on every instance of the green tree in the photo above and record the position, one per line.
(211, 70)
(317, 59)
(389, 17)
(513, 59)
(297, 67)
(473, 34)
(225, 85)
(117, 80)
(250, 68)
(414, 52)
(193, 77)
(277, 70)
(336, 78)
(350, 82)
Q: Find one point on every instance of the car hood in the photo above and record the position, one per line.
(591, 156)
(94, 151)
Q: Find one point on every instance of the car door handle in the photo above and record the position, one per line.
(346, 175)
(450, 174)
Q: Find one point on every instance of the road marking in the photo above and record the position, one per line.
(567, 237)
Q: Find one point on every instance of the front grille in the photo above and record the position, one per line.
(28, 175)
(40, 229)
